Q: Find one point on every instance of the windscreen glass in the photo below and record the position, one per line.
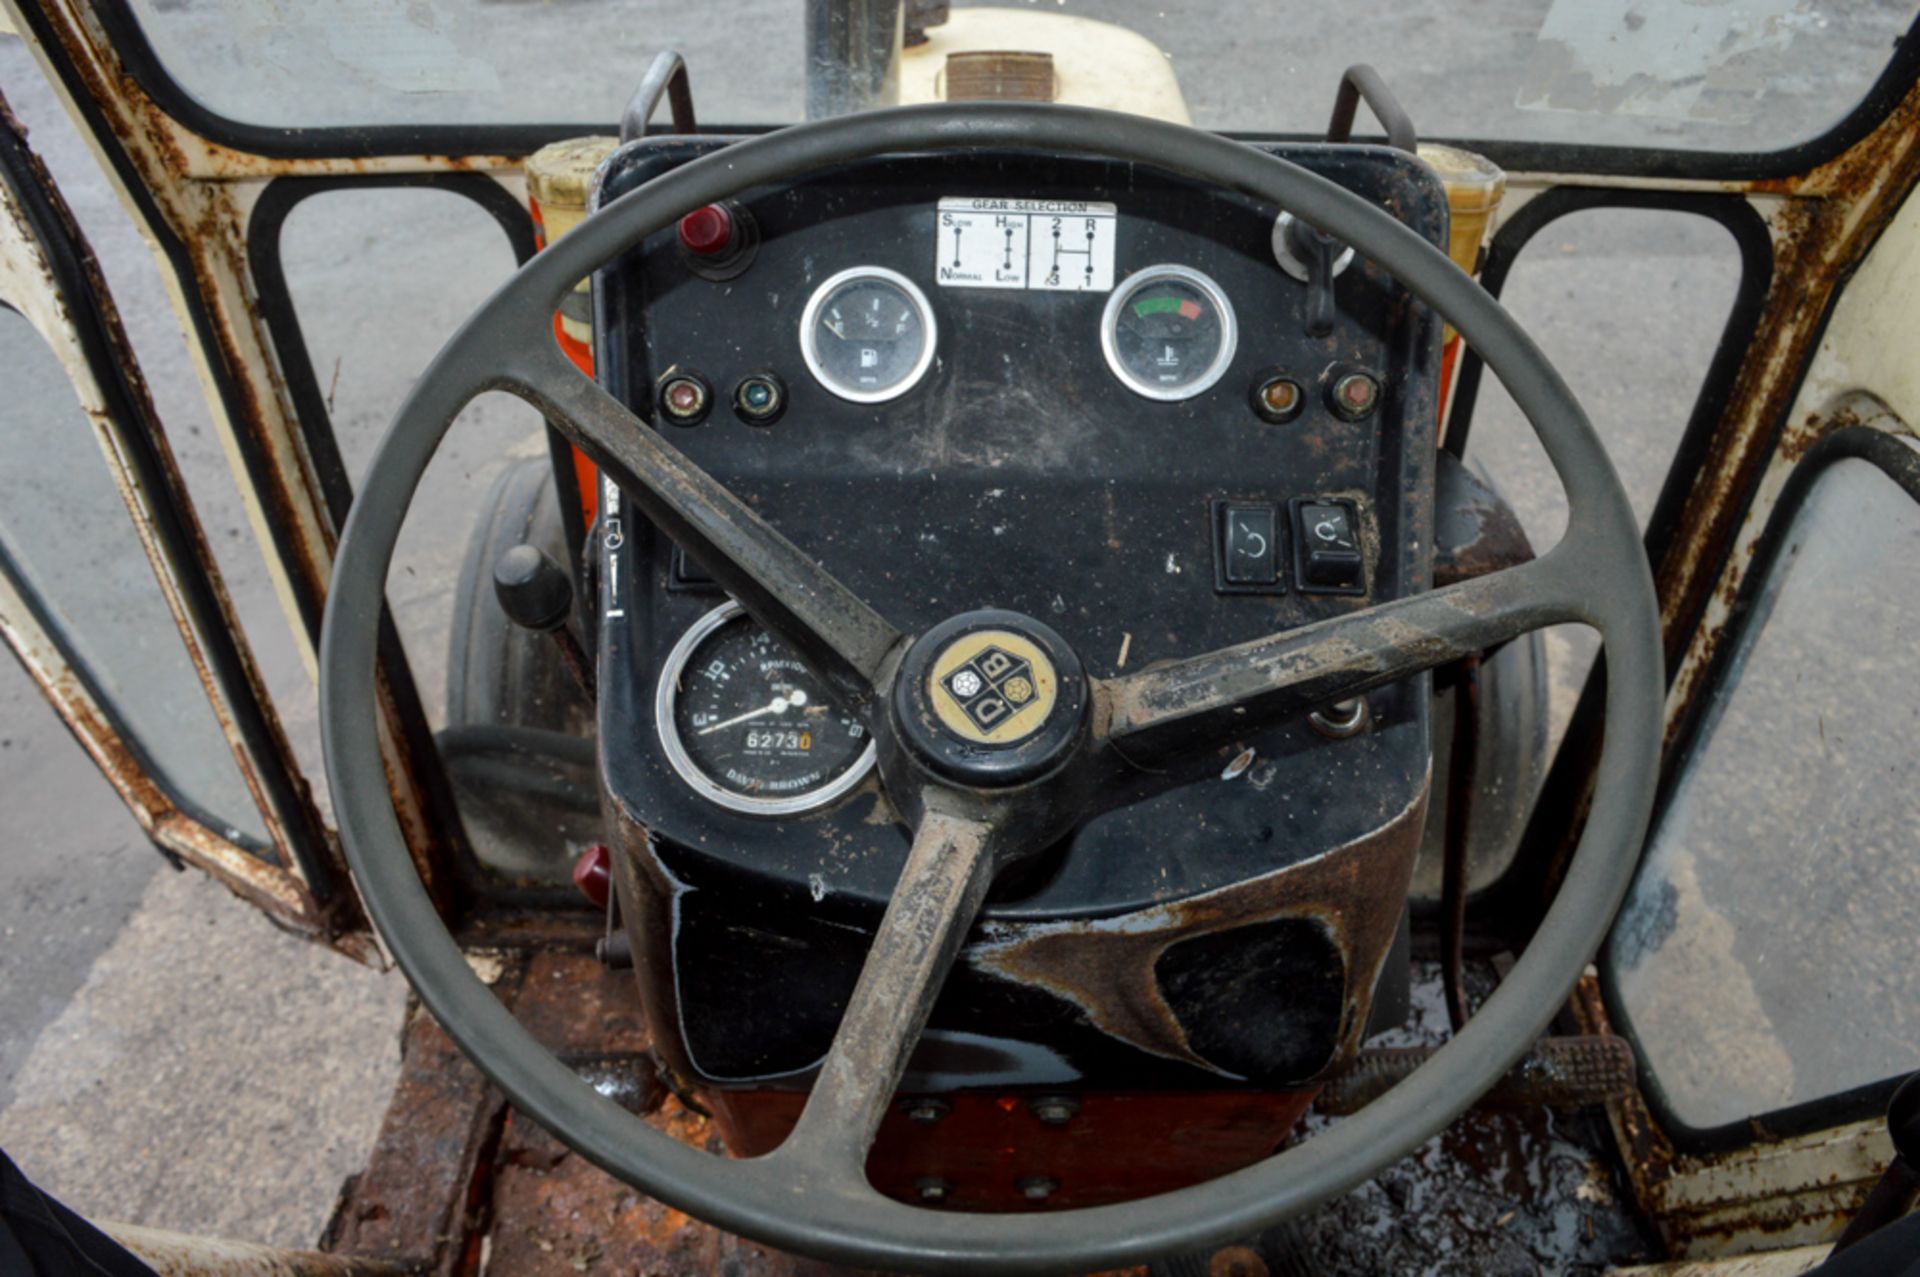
(1710, 75)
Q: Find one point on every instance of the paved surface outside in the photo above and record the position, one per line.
(169, 1058)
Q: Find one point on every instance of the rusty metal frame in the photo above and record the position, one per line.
(1769, 399)
(1796, 386)
(193, 198)
(49, 276)
(1776, 1193)
(1858, 426)
(1797, 1175)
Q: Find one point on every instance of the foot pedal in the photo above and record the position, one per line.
(1559, 1072)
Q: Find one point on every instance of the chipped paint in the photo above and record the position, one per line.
(1105, 966)
(29, 284)
(1824, 230)
(1775, 1193)
(202, 195)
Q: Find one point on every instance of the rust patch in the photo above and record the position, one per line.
(556, 1215)
(247, 876)
(419, 1195)
(457, 1175)
(1648, 1154)
(1829, 219)
(1106, 967)
(576, 1006)
(1745, 1206)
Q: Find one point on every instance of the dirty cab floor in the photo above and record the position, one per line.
(459, 1184)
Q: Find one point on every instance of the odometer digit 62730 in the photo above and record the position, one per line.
(749, 727)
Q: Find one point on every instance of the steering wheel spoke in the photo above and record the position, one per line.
(835, 632)
(940, 891)
(1199, 703)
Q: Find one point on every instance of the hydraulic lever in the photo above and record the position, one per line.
(535, 594)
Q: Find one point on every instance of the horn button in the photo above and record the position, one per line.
(990, 698)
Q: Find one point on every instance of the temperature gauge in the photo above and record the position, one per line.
(1168, 332)
(868, 334)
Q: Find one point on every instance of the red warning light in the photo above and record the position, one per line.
(707, 231)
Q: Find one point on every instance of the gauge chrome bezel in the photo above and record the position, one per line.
(1110, 331)
(810, 316)
(666, 699)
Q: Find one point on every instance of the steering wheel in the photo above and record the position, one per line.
(975, 809)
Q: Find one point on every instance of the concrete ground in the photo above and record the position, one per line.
(166, 1056)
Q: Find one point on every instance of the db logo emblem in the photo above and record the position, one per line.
(993, 687)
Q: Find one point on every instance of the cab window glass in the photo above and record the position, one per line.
(1630, 305)
(1765, 955)
(1759, 75)
(67, 539)
(425, 259)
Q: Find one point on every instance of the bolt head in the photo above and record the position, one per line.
(927, 1112)
(1236, 1261)
(1054, 1110)
(1037, 1188)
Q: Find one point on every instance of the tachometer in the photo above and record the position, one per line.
(1168, 332)
(868, 334)
(749, 727)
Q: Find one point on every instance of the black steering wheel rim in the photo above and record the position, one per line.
(778, 1201)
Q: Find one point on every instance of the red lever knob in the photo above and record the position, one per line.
(707, 231)
(593, 874)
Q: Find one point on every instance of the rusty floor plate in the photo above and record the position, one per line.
(461, 1186)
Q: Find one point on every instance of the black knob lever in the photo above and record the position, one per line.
(536, 594)
(1317, 251)
(533, 590)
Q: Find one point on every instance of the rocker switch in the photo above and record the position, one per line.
(1329, 547)
(1248, 550)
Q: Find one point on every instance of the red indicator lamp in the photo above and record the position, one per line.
(707, 231)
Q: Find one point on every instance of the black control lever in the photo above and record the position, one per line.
(1317, 251)
(1362, 82)
(536, 594)
(1314, 251)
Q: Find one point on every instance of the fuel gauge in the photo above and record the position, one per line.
(1168, 332)
(868, 334)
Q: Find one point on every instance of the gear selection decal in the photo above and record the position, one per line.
(993, 687)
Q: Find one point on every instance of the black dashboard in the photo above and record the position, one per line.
(1082, 391)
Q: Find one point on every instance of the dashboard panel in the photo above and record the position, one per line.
(1070, 388)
